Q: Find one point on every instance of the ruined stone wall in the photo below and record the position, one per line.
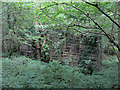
(74, 49)
(77, 48)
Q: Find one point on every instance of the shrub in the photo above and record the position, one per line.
(23, 72)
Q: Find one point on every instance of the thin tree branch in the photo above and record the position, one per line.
(84, 32)
(95, 5)
(50, 17)
(115, 13)
(71, 25)
(84, 26)
(49, 6)
(106, 34)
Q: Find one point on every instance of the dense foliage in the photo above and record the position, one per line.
(22, 72)
(35, 32)
(56, 19)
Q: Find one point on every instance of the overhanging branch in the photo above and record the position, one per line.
(83, 26)
(106, 34)
(95, 5)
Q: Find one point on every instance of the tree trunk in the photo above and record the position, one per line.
(0, 45)
(119, 44)
(38, 45)
(99, 60)
(38, 50)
